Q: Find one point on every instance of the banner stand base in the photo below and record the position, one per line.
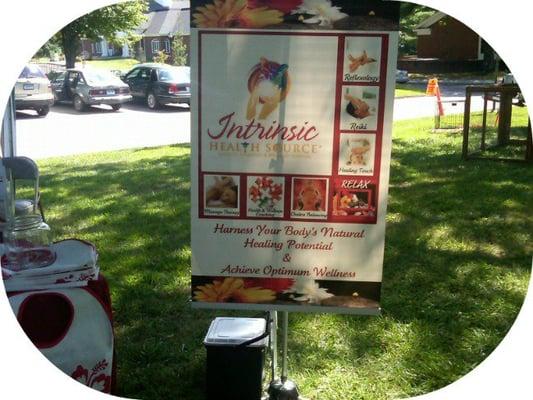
(283, 388)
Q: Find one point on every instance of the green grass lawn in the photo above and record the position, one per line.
(457, 265)
(408, 90)
(122, 64)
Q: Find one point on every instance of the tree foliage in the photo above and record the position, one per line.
(161, 57)
(104, 22)
(410, 16)
(179, 50)
(49, 50)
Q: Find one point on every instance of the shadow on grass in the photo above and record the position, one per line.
(457, 263)
(456, 269)
(136, 210)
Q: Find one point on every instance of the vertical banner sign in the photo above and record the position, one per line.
(291, 140)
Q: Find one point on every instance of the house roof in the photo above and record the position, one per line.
(154, 5)
(166, 20)
(430, 20)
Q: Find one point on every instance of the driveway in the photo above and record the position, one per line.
(64, 131)
(453, 94)
(425, 106)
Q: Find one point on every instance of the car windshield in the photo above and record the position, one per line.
(99, 77)
(31, 71)
(177, 74)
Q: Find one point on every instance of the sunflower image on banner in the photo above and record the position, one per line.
(291, 113)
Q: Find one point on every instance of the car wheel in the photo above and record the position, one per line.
(151, 101)
(116, 107)
(43, 111)
(79, 105)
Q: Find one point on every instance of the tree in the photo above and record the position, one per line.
(179, 50)
(104, 22)
(49, 49)
(410, 16)
(161, 57)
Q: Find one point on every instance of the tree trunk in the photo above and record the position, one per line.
(71, 46)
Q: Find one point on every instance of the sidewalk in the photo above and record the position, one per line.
(425, 106)
(464, 81)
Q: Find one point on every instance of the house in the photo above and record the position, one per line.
(164, 22)
(165, 19)
(103, 49)
(445, 44)
(443, 37)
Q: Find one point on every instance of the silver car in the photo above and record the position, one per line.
(88, 87)
(33, 90)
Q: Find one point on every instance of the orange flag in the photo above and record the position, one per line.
(433, 89)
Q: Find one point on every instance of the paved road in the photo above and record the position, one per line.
(64, 131)
(418, 107)
(453, 100)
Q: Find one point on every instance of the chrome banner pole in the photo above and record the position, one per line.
(285, 333)
(283, 389)
(274, 334)
(9, 128)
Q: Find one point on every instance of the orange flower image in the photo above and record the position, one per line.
(232, 290)
(235, 13)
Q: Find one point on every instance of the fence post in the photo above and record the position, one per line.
(484, 128)
(466, 122)
(529, 143)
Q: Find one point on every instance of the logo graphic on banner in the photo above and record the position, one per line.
(291, 150)
(268, 85)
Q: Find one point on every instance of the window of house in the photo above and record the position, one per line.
(167, 46)
(97, 48)
(155, 46)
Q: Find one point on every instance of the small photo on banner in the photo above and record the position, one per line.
(362, 59)
(328, 288)
(295, 14)
(221, 195)
(356, 153)
(265, 196)
(359, 108)
(354, 200)
(309, 198)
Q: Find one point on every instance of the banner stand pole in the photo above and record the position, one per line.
(281, 389)
(285, 332)
(274, 338)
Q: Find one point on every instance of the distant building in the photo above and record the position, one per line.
(104, 49)
(443, 37)
(445, 44)
(165, 20)
(163, 24)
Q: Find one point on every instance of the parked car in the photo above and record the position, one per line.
(88, 87)
(33, 90)
(402, 76)
(159, 84)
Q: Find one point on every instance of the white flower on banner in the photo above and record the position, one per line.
(309, 291)
(321, 11)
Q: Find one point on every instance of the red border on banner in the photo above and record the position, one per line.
(378, 132)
